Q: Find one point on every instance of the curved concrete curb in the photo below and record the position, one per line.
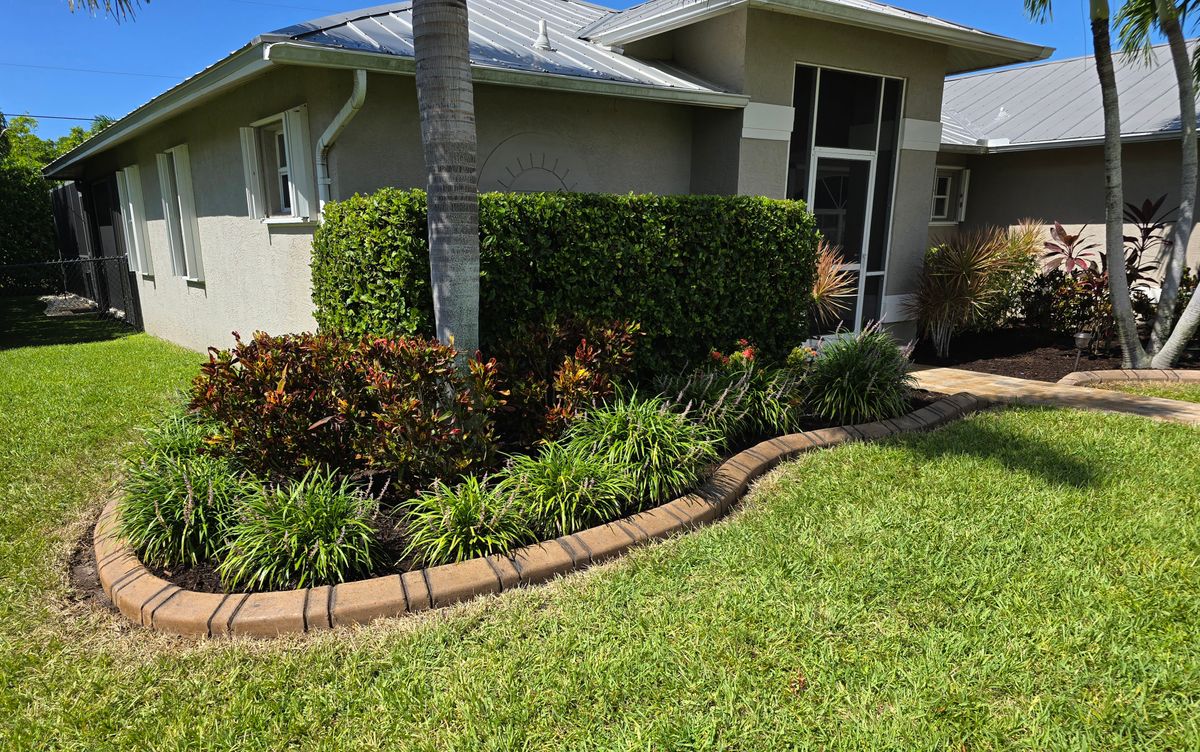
(1083, 378)
(155, 603)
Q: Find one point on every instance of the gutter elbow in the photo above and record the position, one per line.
(358, 97)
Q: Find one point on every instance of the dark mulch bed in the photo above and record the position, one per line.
(203, 577)
(1022, 353)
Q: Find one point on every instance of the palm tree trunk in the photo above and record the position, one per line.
(1118, 282)
(446, 101)
(1168, 351)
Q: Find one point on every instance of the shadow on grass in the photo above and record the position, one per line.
(1015, 451)
(23, 323)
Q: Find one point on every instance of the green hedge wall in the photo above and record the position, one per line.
(698, 272)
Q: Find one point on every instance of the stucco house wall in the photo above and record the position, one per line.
(257, 273)
(1064, 185)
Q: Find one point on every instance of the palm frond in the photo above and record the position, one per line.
(118, 9)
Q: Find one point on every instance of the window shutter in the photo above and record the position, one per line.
(963, 190)
(131, 252)
(171, 214)
(187, 213)
(137, 218)
(300, 160)
(255, 200)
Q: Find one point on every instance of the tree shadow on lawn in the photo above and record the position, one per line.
(24, 323)
(1015, 451)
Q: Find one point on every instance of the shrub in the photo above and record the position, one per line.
(684, 267)
(177, 507)
(450, 523)
(564, 490)
(665, 452)
(969, 282)
(317, 530)
(557, 369)
(301, 401)
(860, 378)
(738, 401)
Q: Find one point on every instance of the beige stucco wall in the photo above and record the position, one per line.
(777, 42)
(257, 275)
(1067, 185)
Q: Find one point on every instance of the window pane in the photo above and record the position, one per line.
(801, 152)
(285, 193)
(872, 299)
(281, 149)
(848, 111)
(885, 174)
(840, 204)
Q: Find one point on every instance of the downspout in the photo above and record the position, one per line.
(357, 97)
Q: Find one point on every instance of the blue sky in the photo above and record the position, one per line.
(171, 39)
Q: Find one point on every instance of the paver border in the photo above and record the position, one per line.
(160, 605)
(1084, 378)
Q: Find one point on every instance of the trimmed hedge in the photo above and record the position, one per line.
(26, 231)
(696, 272)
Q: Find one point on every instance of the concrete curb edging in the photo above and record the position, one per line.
(160, 605)
(1083, 378)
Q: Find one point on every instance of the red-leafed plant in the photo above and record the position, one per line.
(555, 371)
(1069, 252)
(398, 407)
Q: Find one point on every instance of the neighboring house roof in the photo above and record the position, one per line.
(1057, 104)
(970, 48)
(504, 49)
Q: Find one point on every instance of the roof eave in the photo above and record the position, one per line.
(998, 50)
(299, 53)
(242, 64)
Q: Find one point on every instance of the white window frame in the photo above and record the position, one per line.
(179, 211)
(299, 168)
(956, 200)
(133, 216)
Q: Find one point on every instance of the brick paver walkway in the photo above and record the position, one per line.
(1010, 390)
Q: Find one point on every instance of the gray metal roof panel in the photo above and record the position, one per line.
(502, 35)
(1060, 100)
(662, 7)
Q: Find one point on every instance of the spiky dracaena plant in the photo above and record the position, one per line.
(834, 286)
(961, 284)
(318, 530)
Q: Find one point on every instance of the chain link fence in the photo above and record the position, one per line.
(105, 281)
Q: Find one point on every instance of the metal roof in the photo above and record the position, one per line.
(1058, 103)
(502, 35)
(969, 48)
(662, 7)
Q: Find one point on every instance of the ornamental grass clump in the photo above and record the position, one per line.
(177, 509)
(452, 523)
(318, 530)
(860, 378)
(564, 490)
(178, 497)
(666, 453)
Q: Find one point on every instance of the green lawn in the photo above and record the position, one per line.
(1189, 392)
(1025, 579)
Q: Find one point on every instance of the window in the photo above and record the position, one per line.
(133, 213)
(277, 161)
(950, 196)
(179, 210)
